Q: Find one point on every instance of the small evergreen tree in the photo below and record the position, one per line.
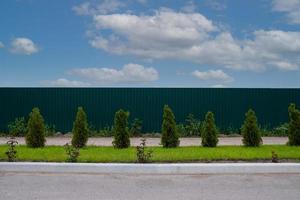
(35, 136)
(121, 133)
(80, 129)
(210, 132)
(169, 137)
(250, 130)
(294, 125)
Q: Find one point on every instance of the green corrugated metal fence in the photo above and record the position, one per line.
(59, 105)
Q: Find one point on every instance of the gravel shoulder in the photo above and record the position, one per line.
(107, 141)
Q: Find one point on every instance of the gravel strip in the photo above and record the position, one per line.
(152, 141)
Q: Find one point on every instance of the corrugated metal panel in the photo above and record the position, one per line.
(59, 105)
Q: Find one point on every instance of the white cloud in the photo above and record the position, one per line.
(62, 82)
(213, 75)
(192, 37)
(290, 7)
(23, 46)
(1, 45)
(130, 73)
(105, 7)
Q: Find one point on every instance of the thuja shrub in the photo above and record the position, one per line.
(169, 137)
(35, 136)
(209, 132)
(80, 129)
(250, 130)
(294, 125)
(120, 128)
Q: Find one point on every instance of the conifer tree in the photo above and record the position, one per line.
(80, 129)
(250, 130)
(209, 131)
(120, 128)
(169, 137)
(294, 125)
(35, 136)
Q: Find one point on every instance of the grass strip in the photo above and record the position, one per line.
(181, 154)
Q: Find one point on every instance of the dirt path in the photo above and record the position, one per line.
(153, 141)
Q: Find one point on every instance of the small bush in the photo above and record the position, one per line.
(49, 130)
(72, 153)
(18, 127)
(170, 137)
(274, 157)
(294, 125)
(35, 136)
(11, 152)
(281, 130)
(192, 126)
(80, 129)
(142, 155)
(136, 128)
(250, 130)
(121, 133)
(106, 132)
(210, 131)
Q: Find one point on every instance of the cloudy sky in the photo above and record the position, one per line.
(150, 43)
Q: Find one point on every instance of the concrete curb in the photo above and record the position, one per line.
(189, 168)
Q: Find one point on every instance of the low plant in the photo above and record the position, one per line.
(49, 130)
(136, 128)
(192, 126)
(106, 132)
(121, 133)
(11, 152)
(274, 157)
(17, 127)
(210, 132)
(281, 130)
(72, 153)
(143, 156)
(35, 136)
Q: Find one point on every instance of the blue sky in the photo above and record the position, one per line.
(150, 43)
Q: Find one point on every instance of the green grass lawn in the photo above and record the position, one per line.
(180, 154)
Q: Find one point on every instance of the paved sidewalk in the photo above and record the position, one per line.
(153, 141)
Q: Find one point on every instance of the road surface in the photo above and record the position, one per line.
(49, 186)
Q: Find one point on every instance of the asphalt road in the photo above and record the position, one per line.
(77, 186)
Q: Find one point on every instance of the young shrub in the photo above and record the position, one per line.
(35, 136)
(142, 155)
(210, 132)
(72, 153)
(18, 127)
(136, 128)
(250, 130)
(121, 133)
(80, 129)
(11, 152)
(193, 126)
(169, 137)
(294, 125)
